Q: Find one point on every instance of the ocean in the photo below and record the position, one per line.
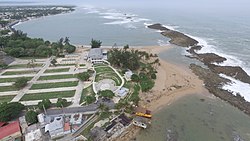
(221, 27)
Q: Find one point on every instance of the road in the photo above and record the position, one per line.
(84, 109)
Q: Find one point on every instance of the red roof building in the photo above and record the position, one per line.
(10, 131)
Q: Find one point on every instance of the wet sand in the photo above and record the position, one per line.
(173, 82)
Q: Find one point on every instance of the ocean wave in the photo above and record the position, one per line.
(231, 60)
(237, 86)
(162, 43)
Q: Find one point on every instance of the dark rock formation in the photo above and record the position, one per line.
(213, 83)
(176, 37)
(208, 58)
(235, 72)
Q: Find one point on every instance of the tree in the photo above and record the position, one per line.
(45, 103)
(95, 43)
(66, 40)
(31, 117)
(153, 76)
(53, 62)
(61, 102)
(90, 99)
(69, 48)
(9, 111)
(126, 47)
(106, 94)
(83, 76)
(43, 51)
(21, 82)
(135, 78)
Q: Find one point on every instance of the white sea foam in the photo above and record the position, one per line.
(170, 27)
(162, 43)
(237, 87)
(231, 60)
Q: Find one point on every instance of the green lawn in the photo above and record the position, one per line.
(51, 77)
(6, 98)
(19, 72)
(103, 69)
(82, 65)
(54, 85)
(7, 88)
(109, 75)
(48, 95)
(57, 70)
(22, 66)
(4, 80)
(85, 92)
(65, 64)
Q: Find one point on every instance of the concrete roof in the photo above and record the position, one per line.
(95, 53)
(56, 124)
(9, 129)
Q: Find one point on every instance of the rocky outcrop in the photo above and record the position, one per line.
(176, 37)
(235, 72)
(213, 83)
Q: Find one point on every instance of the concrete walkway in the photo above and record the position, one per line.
(34, 79)
(78, 94)
(50, 90)
(8, 93)
(7, 84)
(17, 76)
(35, 102)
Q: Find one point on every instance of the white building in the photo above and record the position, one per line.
(56, 127)
(128, 74)
(76, 119)
(34, 135)
(123, 92)
(97, 55)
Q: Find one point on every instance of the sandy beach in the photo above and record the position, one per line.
(172, 83)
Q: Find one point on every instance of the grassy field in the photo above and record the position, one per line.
(48, 95)
(22, 66)
(19, 72)
(51, 77)
(109, 75)
(103, 69)
(65, 64)
(57, 70)
(54, 85)
(7, 88)
(4, 80)
(7, 98)
(85, 92)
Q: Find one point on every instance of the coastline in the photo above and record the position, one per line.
(172, 83)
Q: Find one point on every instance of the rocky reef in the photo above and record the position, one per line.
(213, 82)
(210, 75)
(176, 37)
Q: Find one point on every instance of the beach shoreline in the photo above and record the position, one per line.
(173, 83)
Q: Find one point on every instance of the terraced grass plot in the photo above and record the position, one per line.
(54, 85)
(51, 77)
(48, 95)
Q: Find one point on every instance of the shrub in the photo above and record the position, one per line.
(83, 76)
(9, 111)
(21, 82)
(135, 78)
(45, 103)
(31, 117)
(90, 99)
(107, 94)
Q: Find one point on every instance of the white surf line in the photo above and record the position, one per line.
(237, 86)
